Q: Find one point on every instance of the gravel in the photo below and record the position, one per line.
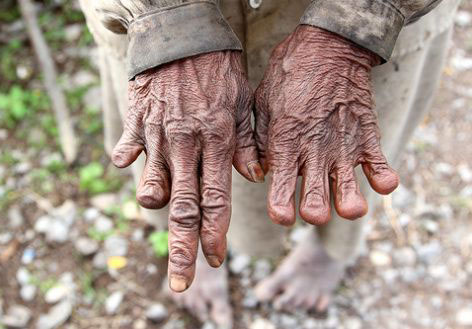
(239, 263)
(157, 312)
(113, 302)
(28, 292)
(86, 246)
(56, 316)
(17, 316)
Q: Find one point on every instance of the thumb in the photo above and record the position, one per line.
(262, 126)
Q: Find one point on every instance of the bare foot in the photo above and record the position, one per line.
(208, 296)
(305, 280)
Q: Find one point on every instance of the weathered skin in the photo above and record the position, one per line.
(315, 118)
(192, 118)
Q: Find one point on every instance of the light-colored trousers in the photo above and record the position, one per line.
(403, 89)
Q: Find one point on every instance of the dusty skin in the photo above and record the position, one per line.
(315, 118)
(192, 118)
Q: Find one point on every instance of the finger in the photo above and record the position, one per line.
(281, 196)
(262, 119)
(246, 158)
(127, 150)
(315, 200)
(184, 213)
(130, 144)
(153, 191)
(348, 199)
(215, 201)
(382, 178)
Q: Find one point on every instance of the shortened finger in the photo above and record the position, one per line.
(348, 199)
(281, 196)
(315, 199)
(153, 191)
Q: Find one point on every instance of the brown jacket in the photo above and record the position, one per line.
(161, 31)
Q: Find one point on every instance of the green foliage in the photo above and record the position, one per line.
(97, 235)
(19, 104)
(43, 285)
(159, 242)
(9, 54)
(91, 178)
(91, 121)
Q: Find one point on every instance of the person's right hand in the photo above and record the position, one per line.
(192, 118)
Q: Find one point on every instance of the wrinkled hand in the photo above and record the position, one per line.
(315, 117)
(192, 118)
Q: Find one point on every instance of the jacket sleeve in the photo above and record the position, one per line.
(161, 31)
(372, 24)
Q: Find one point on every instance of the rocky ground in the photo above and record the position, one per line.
(74, 254)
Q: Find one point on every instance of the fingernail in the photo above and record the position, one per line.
(178, 283)
(214, 261)
(256, 172)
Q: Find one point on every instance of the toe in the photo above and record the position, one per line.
(268, 288)
(221, 313)
(322, 303)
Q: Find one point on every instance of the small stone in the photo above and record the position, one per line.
(22, 168)
(208, 325)
(28, 256)
(17, 316)
(239, 263)
(431, 226)
(464, 317)
(91, 214)
(288, 321)
(405, 256)
(100, 261)
(262, 269)
(444, 168)
(250, 301)
(464, 171)
(104, 201)
(5, 238)
(23, 276)
(42, 224)
(28, 292)
(138, 235)
(428, 253)
(56, 316)
(113, 302)
(66, 213)
(103, 224)
(86, 246)
(139, 324)
(379, 258)
(56, 294)
(261, 323)
(15, 217)
(73, 32)
(463, 18)
(151, 269)
(58, 232)
(130, 210)
(402, 198)
(353, 323)
(116, 246)
(157, 312)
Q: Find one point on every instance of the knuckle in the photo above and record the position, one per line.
(181, 256)
(184, 214)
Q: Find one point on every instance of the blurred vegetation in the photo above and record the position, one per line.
(26, 116)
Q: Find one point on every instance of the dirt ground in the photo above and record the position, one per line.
(416, 272)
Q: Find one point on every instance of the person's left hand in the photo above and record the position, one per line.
(315, 117)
